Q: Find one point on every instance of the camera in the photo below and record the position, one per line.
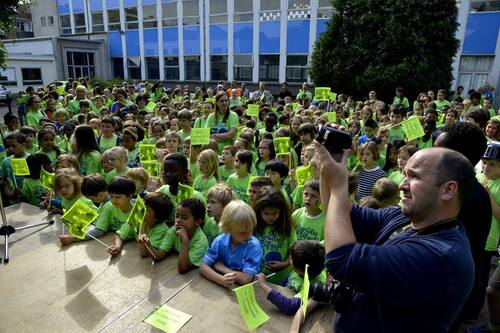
(336, 294)
(335, 140)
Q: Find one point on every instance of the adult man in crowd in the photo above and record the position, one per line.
(285, 92)
(410, 268)
(468, 139)
(262, 96)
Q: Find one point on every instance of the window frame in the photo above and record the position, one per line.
(31, 81)
(8, 82)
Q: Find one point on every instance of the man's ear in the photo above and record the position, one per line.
(449, 190)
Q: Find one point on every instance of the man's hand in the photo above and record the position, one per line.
(335, 172)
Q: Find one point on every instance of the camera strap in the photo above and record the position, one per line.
(432, 229)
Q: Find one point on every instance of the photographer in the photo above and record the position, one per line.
(411, 268)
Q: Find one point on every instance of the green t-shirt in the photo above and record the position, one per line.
(33, 119)
(165, 189)
(440, 104)
(133, 158)
(90, 163)
(396, 133)
(114, 173)
(396, 176)
(52, 155)
(7, 172)
(33, 191)
(198, 245)
(155, 234)
(224, 173)
(309, 227)
(105, 143)
(211, 230)
(240, 186)
(200, 122)
(218, 125)
(296, 282)
(33, 150)
(260, 168)
(494, 235)
(202, 185)
(74, 106)
(183, 135)
(424, 144)
(297, 197)
(111, 218)
(276, 248)
(404, 102)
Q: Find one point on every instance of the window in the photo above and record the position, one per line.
(325, 9)
(270, 10)
(131, 18)
(44, 23)
(296, 68)
(169, 13)
(80, 64)
(243, 11)
(485, 6)
(134, 68)
(219, 67)
(191, 12)
(152, 68)
(269, 68)
(242, 67)
(80, 23)
(65, 25)
(192, 68)
(24, 26)
(474, 71)
(117, 67)
(8, 76)
(32, 75)
(270, 5)
(113, 19)
(218, 11)
(97, 22)
(51, 20)
(149, 17)
(172, 68)
(299, 9)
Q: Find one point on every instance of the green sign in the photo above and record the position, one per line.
(253, 110)
(305, 291)
(20, 167)
(78, 218)
(200, 136)
(150, 107)
(167, 319)
(153, 168)
(147, 152)
(251, 312)
(282, 145)
(303, 174)
(331, 117)
(322, 94)
(412, 128)
(47, 179)
(333, 96)
(136, 216)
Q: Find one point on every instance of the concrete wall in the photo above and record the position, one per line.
(44, 8)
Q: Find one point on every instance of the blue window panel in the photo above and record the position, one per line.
(481, 33)
(321, 27)
(191, 39)
(78, 6)
(132, 42)
(151, 42)
(243, 37)
(298, 36)
(149, 2)
(95, 5)
(112, 4)
(270, 37)
(63, 7)
(218, 39)
(170, 41)
(115, 44)
(129, 3)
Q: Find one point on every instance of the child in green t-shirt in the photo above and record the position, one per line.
(208, 163)
(302, 253)
(184, 118)
(239, 180)
(95, 188)
(13, 185)
(46, 140)
(30, 145)
(186, 236)
(277, 171)
(266, 154)
(108, 139)
(131, 136)
(310, 219)
(276, 232)
(227, 168)
(255, 186)
(33, 191)
(395, 118)
(217, 198)
(118, 158)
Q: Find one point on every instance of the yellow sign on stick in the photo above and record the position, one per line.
(20, 167)
(412, 128)
(78, 218)
(322, 93)
(252, 313)
(305, 292)
(167, 319)
(136, 216)
(253, 110)
(200, 136)
(147, 152)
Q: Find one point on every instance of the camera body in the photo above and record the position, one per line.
(336, 294)
(335, 140)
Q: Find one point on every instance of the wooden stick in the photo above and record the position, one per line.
(100, 241)
(267, 277)
(150, 251)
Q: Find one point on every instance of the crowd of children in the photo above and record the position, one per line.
(237, 206)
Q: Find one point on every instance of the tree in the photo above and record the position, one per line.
(383, 44)
(7, 11)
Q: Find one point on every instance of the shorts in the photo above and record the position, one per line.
(495, 279)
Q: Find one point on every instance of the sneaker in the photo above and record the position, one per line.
(480, 329)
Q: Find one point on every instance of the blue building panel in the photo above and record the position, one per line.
(63, 7)
(78, 6)
(243, 38)
(132, 42)
(95, 5)
(149, 2)
(129, 3)
(112, 4)
(151, 42)
(269, 36)
(321, 27)
(481, 33)
(218, 39)
(170, 41)
(191, 40)
(298, 36)
(115, 44)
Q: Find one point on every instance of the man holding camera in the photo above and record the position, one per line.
(411, 269)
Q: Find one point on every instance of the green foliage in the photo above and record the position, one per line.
(7, 11)
(383, 44)
(108, 83)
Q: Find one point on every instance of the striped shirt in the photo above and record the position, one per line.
(366, 180)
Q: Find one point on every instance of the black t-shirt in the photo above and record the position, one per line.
(284, 94)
